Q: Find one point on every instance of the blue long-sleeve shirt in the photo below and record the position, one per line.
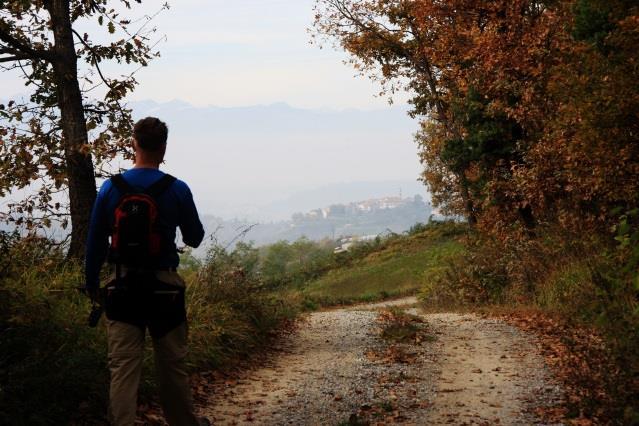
(176, 208)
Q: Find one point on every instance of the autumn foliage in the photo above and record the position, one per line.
(529, 117)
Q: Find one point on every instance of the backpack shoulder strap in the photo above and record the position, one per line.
(160, 186)
(121, 184)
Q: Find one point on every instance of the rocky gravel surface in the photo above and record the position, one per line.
(337, 370)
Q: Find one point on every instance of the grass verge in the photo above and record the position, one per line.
(395, 267)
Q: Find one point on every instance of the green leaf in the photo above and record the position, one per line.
(624, 228)
(111, 27)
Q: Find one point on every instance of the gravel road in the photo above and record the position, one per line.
(488, 373)
(330, 372)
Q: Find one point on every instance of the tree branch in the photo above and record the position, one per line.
(96, 57)
(14, 58)
(22, 47)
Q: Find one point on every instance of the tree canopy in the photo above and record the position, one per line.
(529, 108)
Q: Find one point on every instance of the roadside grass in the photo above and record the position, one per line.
(395, 268)
(46, 344)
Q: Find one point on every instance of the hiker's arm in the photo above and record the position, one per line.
(190, 225)
(97, 241)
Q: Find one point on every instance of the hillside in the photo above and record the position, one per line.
(391, 267)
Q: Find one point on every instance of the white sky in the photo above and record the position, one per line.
(244, 52)
(241, 52)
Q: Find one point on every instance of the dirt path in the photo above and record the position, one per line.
(489, 373)
(475, 371)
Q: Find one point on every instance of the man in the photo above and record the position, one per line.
(145, 295)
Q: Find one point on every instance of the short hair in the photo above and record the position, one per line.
(151, 133)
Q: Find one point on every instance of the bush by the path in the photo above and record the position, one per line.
(232, 312)
(53, 366)
(51, 362)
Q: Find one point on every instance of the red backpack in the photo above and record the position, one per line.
(136, 240)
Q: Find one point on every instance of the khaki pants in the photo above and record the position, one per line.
(126, 351)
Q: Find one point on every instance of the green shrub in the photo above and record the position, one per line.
(231, 312)
(50, 360)
(285, 264)
(570, 291)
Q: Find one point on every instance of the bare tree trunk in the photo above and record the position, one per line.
(79, 163)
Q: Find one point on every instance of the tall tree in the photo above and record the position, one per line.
(442, 52)
(51, 142)
(408, 45)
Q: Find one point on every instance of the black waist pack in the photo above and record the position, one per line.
(142, 300)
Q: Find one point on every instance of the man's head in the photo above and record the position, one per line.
(149, 140)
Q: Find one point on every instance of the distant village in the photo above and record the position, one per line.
(360, 208)
(340, 222)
